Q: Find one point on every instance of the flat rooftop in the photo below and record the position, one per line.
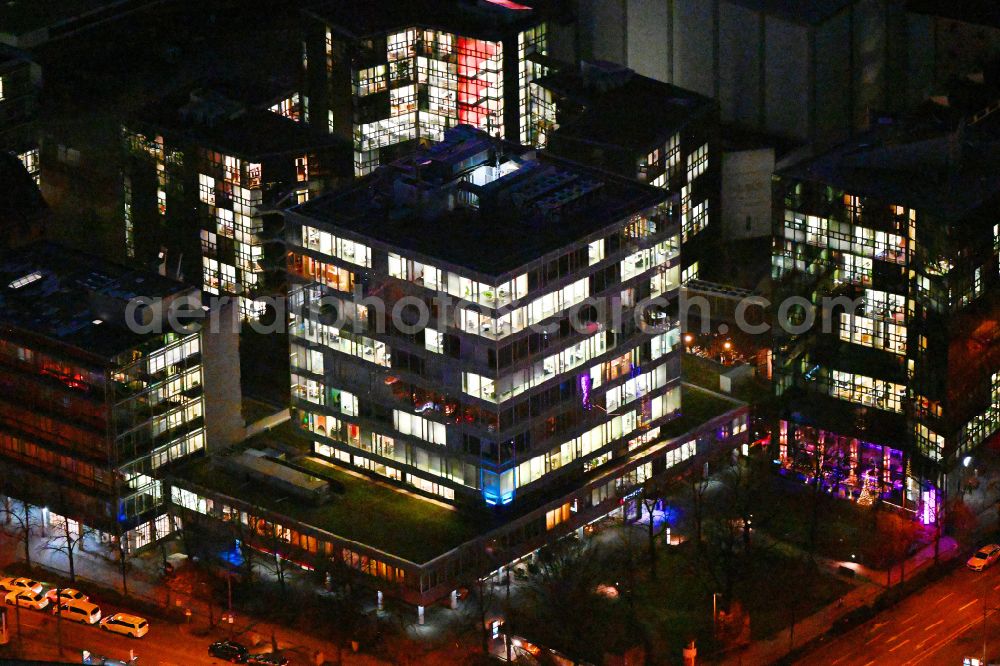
(628, 110)
(218, 117)
(812, 12)
(377, 514)
(10, 55)
(526, 206)
(75, 299)
(369, 511)
(928, 164)
(485, 19)
(978, 12)
(20, 17)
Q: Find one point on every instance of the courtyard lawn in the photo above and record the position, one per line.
(679, 602)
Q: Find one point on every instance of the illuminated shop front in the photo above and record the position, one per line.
(848, 467)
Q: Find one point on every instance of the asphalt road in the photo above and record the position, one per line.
(166, 644)
(941, 624)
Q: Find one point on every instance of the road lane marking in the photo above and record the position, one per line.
(937, 646)
(889, 640)
(931, 626)
(910, 618)
(899, 646)
(997, 587)
(944, 597)
(974, 601)
(834, 663)
(872, 640)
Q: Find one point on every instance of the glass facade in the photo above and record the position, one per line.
(887, 284)
(521, 382)
(427, 80)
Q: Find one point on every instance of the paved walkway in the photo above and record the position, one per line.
(144, 584)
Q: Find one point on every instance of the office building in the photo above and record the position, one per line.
(386, 75)
(204, 175)
(897, 379)
(91, 411)
(20, 82)
(509, 391)
(609, 117)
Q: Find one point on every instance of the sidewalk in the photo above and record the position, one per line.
(871, 584)
(144, 585)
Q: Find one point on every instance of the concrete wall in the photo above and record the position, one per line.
(648, 47)
(562, 41)
(220, 354)
(805, 82)
(746, 193)
(741, 48)
(602, 25)
(833, 78)
(786, 79)
(693, 45)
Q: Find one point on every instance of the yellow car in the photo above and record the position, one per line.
(27, 599)
(123, 623)
(17, 584)
(66, 594)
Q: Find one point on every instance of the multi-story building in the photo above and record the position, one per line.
(670, 140)
(26, 26)
(20, 81)
(887, 386)
(24, 215)
(532, 377)
(475, 325)
(91, 409)
(387, 74)
(204, 175)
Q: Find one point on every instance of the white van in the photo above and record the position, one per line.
(123, 623)
(78, 611)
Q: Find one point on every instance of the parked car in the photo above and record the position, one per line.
(12, 584)
(984, 557)
(123, 623)
(230, 651)
(26, 599)
(267, 659)
(66, 594)
(78, 610)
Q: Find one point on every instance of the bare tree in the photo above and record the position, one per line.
(20, 523)
(699, 492)
(66, 542)
(121, 546)
(651, 494)
(563, 586)
(484, 601)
